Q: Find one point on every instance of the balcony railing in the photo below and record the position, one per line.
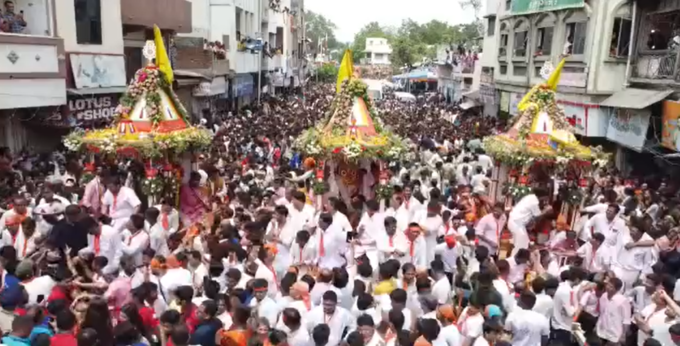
(661, 65)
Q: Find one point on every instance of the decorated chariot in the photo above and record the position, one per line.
(150, 126)
(540, 149)
(350, 147)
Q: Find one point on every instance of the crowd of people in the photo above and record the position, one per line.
(93, 264)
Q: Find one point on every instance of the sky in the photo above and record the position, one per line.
(351, 15)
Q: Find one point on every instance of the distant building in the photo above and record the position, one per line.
(378, 51)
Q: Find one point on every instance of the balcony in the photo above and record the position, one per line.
(657, 67)
(32, 62)
(198, 54)
(167, 14)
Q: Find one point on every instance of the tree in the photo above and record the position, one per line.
(318, 28)
(476, 6)
(412, 41)
(327, 73)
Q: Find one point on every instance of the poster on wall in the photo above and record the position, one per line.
(98, 71)
(670, 135)
(628, 127)
(515, 99)
(505, 102)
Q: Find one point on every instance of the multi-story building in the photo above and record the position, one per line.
(284, 25)
(95, 58)
(32, 70)
(378, 51)
(646, 118)
(522, 38)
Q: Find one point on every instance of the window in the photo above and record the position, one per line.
(620, 37)
(239, 29)
(88, 21)
(370, 43)
(503, 46)
(519, 70)
(544, 38)
(490, 25)
(503, 70)
(133, 61)
(576, 38)
(520, 45)
(508, 5)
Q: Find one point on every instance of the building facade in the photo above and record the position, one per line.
(521, 40)
(378, 51)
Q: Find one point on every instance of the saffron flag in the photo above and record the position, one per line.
(346, 69)
(162, 60)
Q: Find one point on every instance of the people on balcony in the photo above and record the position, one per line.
(10, 21)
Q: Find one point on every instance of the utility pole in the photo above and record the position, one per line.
(259, 55)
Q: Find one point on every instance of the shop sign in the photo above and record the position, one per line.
(628, 127)
(488, 93)
(243, 85)
(93, 108)
(670, 135)
(505, 102)
(515, 99)
(586, 120)
(535, 6)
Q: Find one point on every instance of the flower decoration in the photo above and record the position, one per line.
(153, 186)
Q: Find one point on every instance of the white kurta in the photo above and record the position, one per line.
(286, 235)
(121, 206)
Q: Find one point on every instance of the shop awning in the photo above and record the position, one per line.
(635, 98)
(96, 91)
(468, 104)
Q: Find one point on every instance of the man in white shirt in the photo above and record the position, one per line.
(300, 214)
(331, 243)
(119, 203)
(337, 318)
(565, 304)
(544, 302)
(266, 307)
(608, 223)
(615, 315)
(430, 222)
(490, 226)
(168, 217)
(479, 180)
(135, 239)
(297, 333)
(595, 256)
(448, 252)
(524, 212)
(158, 236)
(484, 160)
(19, 211)
(441, 289)
(105, 241)
(630, 260)
(369, 230)
(527, 327)
(391, 241)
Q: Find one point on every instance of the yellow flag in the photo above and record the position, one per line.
(555, 75)
(162, 60)
(346, 69)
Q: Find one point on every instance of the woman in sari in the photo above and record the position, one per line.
(239, 332)
(193, 203)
